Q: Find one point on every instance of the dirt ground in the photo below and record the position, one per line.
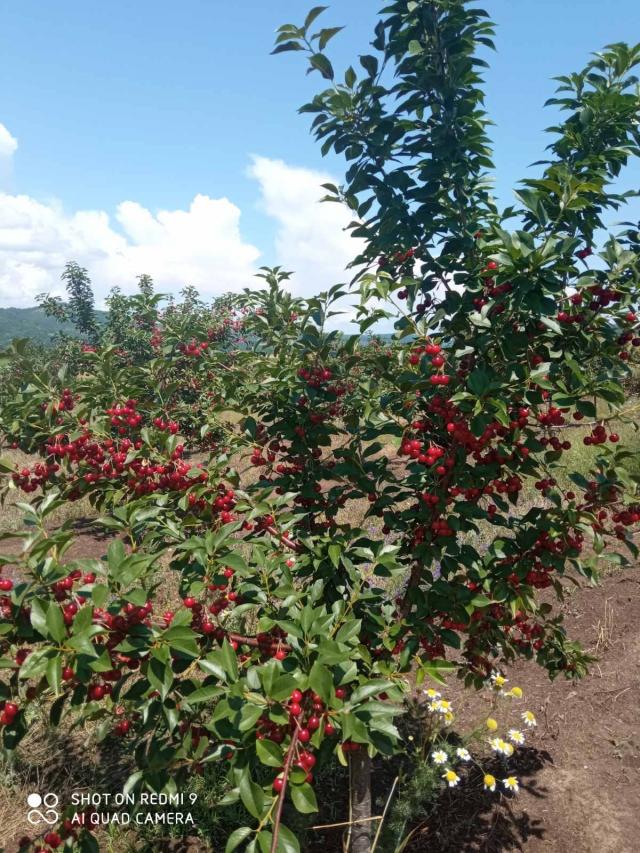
(580, 781)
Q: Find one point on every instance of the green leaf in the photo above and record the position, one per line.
(313, 14)
(204, 694)
(287, 843)
(54, 673)
(321, 681)
(237, 837)
(38, 617)
(55, 623)
(252, 796)
(326, 35)
(269, 753)
(320, 62)
(229, 660)
(304, 798)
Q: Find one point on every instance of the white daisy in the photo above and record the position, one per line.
(451, 778)
(431, 693)
(511, 784)
(489, 782)
(463, 754)
(501, 746)
(439, 756)
(515, 736)
(529, 719)
(498, 680)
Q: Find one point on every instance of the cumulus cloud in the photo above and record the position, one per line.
(8, 143)
(201, 245)
(8, 147)
(312, 238)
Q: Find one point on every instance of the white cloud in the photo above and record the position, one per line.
(312, 238)
(201, 245)
(8, 143)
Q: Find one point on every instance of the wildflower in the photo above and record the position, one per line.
(449, 717)
(492, 725)
(529, 719)
(515, 736)
(501, 746)
(516, 692)
(439, 756)
(498, 680)
(451, 778)
(463, 754)
(511, 784)
(431, 693)
(489, 782)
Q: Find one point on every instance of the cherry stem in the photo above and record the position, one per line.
(294, 546)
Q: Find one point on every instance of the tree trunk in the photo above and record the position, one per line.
(360, 806)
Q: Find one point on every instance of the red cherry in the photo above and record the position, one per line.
(189, 602)
(313, 723)
(97, 692)
(296, 696)
(11, 709)
(294, 709)
(329, 729)
(304, 735)
(340, 692)
(278, 784)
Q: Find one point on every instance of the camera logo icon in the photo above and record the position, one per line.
(49, 813)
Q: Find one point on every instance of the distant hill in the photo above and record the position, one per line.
(30, 323)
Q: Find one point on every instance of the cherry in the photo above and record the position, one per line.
(304, 735)
(340, 692)
(296, 696)
(6, 585)
(313, 723)
(329, 729)
(278, 784)
(294, 709)
(68, 674)
(11, 709)
(189, 602)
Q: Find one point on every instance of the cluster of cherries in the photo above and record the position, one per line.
(8, 712)
(598, 435)
(125, 417)
(315, 377)
(166, 426)
(65, 404)
(193, 349)
(31, 479)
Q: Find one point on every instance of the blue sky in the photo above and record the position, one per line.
(155, 101)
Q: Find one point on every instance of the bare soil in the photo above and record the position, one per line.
(580, 781)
